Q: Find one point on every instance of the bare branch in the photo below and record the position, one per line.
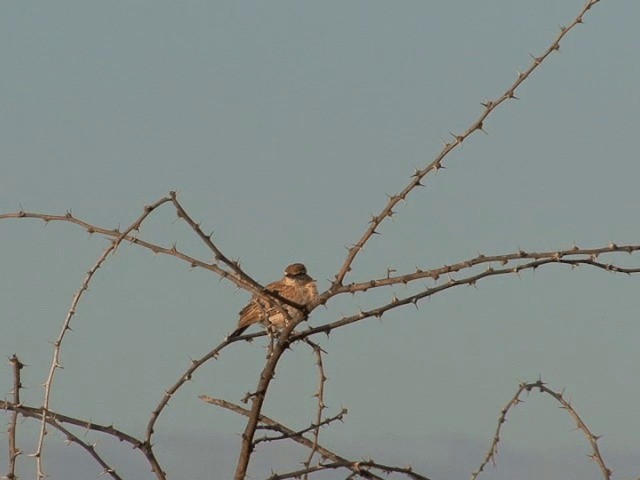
(469, 280)
(360, 469)
(14, 451)
(436, 164)
(89, 448)
(55, 362)
(289, 433)
(184, 378)
(515, 400)
(218, 255)
(257, 400)
(56, 420)
(589, 254)
(311, 428)
(322, 378)
(238, 276)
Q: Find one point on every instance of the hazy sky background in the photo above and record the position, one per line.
(282, 125)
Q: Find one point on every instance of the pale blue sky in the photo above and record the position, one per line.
(282, 125)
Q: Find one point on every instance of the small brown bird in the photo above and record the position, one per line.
(296, 286)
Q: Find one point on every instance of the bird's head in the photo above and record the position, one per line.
(295, 270)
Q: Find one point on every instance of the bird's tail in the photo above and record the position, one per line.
(238, 331)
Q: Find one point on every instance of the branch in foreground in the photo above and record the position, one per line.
(358, 468)
(436, 164)
(515, 400)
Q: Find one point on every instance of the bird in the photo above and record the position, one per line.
(296, 285)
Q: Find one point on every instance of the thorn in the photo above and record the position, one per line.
(480, 127)
(459, 138)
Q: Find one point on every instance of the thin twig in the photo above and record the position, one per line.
(322, 378)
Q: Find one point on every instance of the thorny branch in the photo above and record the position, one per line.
(468, 280)
(56, 420)
(14, 451)
(257, 400)
(322, 378)
(184, 378)
(587, 256)
(358, 468)
(89, 448)
(231, 270)
(311, 428)
(55, 362)
(245, 282)
(361, 470)
(458, 139)
(566, 405)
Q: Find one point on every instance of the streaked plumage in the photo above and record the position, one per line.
(296, 286)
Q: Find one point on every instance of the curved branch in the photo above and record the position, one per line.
(515, 400)
(55, 361)
(184, 378)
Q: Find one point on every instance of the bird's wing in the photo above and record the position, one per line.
(259, 309)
